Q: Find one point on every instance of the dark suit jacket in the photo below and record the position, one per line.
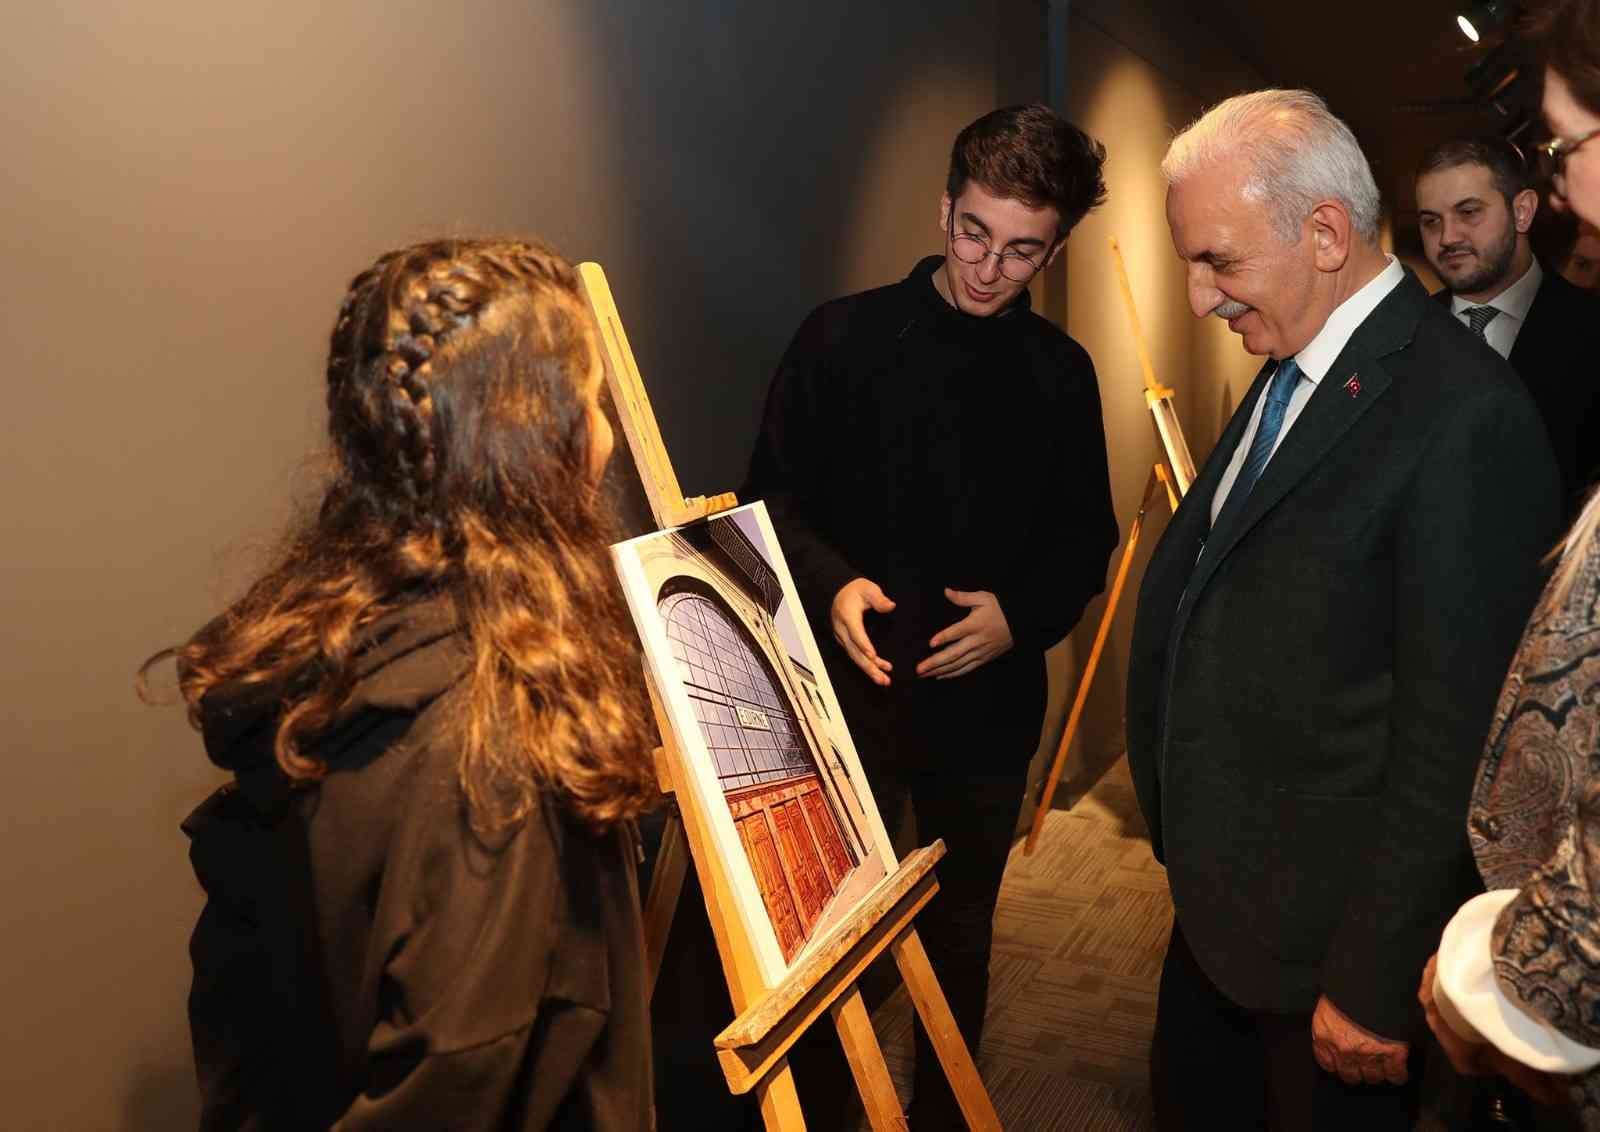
(1557, 354)
(1308, 700)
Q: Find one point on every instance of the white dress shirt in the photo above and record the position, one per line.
(1512, 303)
(1314, 361)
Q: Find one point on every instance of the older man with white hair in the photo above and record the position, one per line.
(1320, 635)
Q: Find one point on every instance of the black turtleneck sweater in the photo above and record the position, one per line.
(920, 447)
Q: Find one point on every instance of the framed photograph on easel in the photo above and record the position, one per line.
(754, 714)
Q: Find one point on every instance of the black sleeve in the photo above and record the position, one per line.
(788, 465)
(265, 1050)
(1481, 513)
(1078, 525)
(463, 937)
(467, 933)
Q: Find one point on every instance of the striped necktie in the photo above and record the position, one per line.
(1479, 318)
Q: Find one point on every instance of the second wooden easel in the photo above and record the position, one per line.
(1176, 480)
(771, 1017)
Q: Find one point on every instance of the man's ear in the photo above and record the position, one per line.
(1330, 235)
(944, 212)
(1524, 207)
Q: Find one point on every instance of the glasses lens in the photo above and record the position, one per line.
(1549, 165)
(1016, 268)
(968, 249)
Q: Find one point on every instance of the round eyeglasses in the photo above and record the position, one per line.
(1552, 155)
(969, 248)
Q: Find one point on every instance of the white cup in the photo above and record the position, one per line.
(1452, 1017)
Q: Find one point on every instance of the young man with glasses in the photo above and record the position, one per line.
(933, 457)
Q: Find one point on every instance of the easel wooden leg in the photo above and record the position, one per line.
(865, 1055)
(780, 1103)
(959, 1068)
(1158, 476)
(666, 884)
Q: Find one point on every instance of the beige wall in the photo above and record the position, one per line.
(1137, 74)
(187, 187)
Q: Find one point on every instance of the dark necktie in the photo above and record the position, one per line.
(1267, 430)
(1479, 318)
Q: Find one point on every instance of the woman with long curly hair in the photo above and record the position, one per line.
(1519, 966)
(421, 903)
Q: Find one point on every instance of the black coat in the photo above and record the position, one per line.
(364, 961)
(920, 447)
(1557, 355)
(1306, 703)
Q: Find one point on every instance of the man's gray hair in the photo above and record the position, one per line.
(1296, 154)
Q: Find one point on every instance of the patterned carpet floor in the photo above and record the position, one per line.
(1079, 935)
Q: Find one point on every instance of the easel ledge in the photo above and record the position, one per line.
(754, 1041)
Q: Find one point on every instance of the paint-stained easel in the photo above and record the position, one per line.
(1176, 475)
(770, 1018)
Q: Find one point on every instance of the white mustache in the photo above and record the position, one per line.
(1229, 309)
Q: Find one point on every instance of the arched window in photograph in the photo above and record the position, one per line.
(790, 830)
(744, 715)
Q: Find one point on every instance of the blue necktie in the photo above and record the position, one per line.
(1267, 430)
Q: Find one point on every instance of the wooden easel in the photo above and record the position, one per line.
(1159, 399)
(771, 1018)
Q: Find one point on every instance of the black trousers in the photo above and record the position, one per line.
(975, 815)
(1214, 1064)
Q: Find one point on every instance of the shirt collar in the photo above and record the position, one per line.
(1515, 299)
(1318, 356)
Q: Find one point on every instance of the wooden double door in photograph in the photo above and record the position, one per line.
(785, 819)
(794, 846)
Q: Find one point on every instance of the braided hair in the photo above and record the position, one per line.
(460, 376)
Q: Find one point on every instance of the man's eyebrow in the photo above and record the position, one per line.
(970, 218)
(1467, 200)
(1020, 241)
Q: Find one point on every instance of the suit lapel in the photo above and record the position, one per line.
(1551, 326)
(1528, 343)
(1353, 384)
(1190, 523)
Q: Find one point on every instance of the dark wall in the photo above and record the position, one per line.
(770, 161)
(185, 190)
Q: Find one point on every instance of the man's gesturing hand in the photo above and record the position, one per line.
(850, 605)
(1353, 1053)
(972, 642)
